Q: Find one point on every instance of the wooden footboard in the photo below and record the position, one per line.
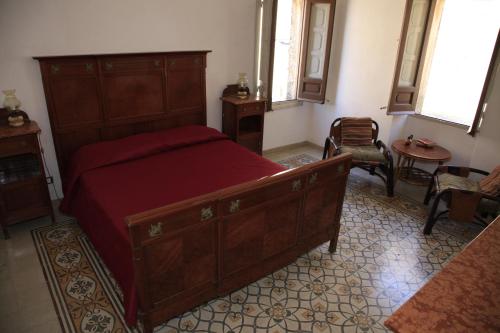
(189, 252)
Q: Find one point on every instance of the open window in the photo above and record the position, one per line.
(412, 46)
(445, 59)
(294, 41)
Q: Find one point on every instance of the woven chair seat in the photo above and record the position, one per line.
(448, 181)
(364, 153)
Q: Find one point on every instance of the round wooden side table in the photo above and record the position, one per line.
(407, 155)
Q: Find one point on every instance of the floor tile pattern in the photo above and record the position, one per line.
(382, 258)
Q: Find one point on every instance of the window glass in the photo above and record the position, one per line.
(463, 49)
(414, 42)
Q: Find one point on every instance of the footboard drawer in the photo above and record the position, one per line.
(175, 256)
(181, 262)
(259, 233)
(323, 204)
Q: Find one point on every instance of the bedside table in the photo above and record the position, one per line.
(243, 121)
(24, 194)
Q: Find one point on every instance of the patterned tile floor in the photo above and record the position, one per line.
(381, 260)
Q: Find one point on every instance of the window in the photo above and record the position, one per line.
(444, 58)
(285, 71)
(294, 41)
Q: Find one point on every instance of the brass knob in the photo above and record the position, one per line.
(55, 69)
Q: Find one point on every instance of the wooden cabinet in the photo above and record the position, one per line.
(243, 121)
(23, 188)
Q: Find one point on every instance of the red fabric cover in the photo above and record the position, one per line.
(101, 197)
(110, 152)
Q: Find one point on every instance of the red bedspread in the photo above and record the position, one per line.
(110, 180)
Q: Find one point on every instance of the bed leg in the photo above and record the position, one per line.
(333, 242)
(147, 326)
(333, 245)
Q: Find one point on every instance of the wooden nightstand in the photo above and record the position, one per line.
(24, 194)
(243, 121)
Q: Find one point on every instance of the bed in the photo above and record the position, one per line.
(177, 211)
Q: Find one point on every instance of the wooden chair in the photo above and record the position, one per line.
(367, 157)
(462, 195)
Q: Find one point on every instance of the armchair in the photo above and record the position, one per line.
(359, 137)
(463, 196)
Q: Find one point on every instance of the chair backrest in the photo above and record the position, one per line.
(336, 130)
(491, 183)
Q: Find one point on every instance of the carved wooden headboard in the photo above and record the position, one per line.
(92, 98)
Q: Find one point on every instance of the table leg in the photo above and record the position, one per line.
(398, 170)
(409, 166)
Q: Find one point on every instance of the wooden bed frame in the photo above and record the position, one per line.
(189, 252)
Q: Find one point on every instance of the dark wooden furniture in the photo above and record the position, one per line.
(188, 252)
(368, 158)
(462, 195)
(243, 120)
(93, 98)
(463, 297)
(23, 187)
(405, 169)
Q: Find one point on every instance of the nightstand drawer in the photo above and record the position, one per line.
(25, 200)
(251, 108)
(18, 145)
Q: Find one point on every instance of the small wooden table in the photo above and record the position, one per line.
(405, 169)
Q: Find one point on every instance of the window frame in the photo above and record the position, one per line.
(301, 80)
(481, 109)
(410, 108)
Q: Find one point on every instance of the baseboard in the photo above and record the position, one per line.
(291, 146)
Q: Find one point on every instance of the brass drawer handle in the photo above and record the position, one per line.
(109, 66)
(55, 69)
(155, 229)
(172, 62)
(296, 185)
(89, 67)
(157, 63)
(206, 213)
(234, 206)
(314, 178)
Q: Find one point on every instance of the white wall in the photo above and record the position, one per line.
(286, 126)
(55, 27)
(486, 152)
(361, 70)
(364, 51)
(481, 151)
